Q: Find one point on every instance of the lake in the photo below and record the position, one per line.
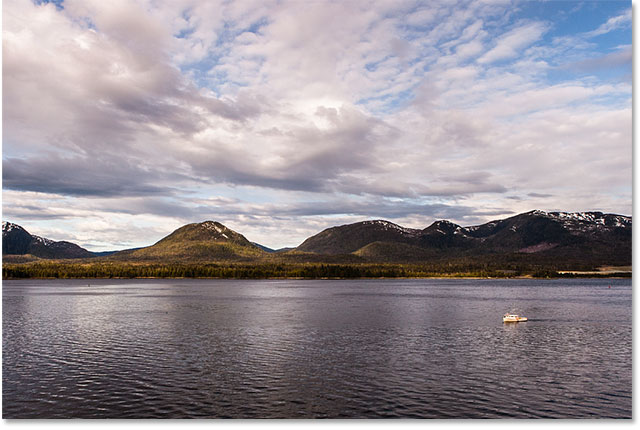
(316, 349)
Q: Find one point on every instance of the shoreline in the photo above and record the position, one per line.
(300, 278)
(285, 270)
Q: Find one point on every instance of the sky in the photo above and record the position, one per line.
(123, 120)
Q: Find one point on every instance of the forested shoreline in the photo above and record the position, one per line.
(67, 270)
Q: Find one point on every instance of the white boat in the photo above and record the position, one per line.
(513, 318)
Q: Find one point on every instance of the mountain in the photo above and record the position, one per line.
(271, 250)
(264, 248)
(17, 241)
(205, 241)
(583, 236)
(533, 240)
(107, 253)
(560, 234)
(378, 237)
(349, 238)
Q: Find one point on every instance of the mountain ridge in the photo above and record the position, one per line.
(18, 241)
(583, 238)
(575, 235)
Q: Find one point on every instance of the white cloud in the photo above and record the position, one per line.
(614, 23)
(149, 114)
(469, 49)
(510, 44)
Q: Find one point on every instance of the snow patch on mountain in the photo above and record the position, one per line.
(386, 225)
(461, 231)
(8, 227)
(596, 217)
(581, 222)
(43, 240)
(216, 227)
(444, 227)
(210, 225)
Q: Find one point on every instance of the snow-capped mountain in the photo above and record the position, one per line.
(541, 239)
(349, 238)
(17, 241)
(562, 234)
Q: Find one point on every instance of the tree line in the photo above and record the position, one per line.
(229, 270)
(64, 270)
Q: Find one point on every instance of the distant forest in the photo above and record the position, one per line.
(62, 270)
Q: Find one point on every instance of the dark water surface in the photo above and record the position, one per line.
(311, 349)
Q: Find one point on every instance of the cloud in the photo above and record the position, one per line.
(619, 58)
(110, 79)
(510, 44)
(614, 23)
(305, 156)
(82, 177)
(272, 223)
(293, 116)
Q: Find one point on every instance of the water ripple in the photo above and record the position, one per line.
(392, 349)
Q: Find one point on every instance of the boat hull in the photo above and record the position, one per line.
(515, 320)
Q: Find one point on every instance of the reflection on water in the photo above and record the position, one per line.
(311, 349)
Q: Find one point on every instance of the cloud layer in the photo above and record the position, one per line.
(287, 117)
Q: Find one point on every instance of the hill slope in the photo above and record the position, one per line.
(203, 241)
(349, 238)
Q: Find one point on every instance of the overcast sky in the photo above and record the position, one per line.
(124, 120)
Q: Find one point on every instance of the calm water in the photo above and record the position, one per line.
(311, 349)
